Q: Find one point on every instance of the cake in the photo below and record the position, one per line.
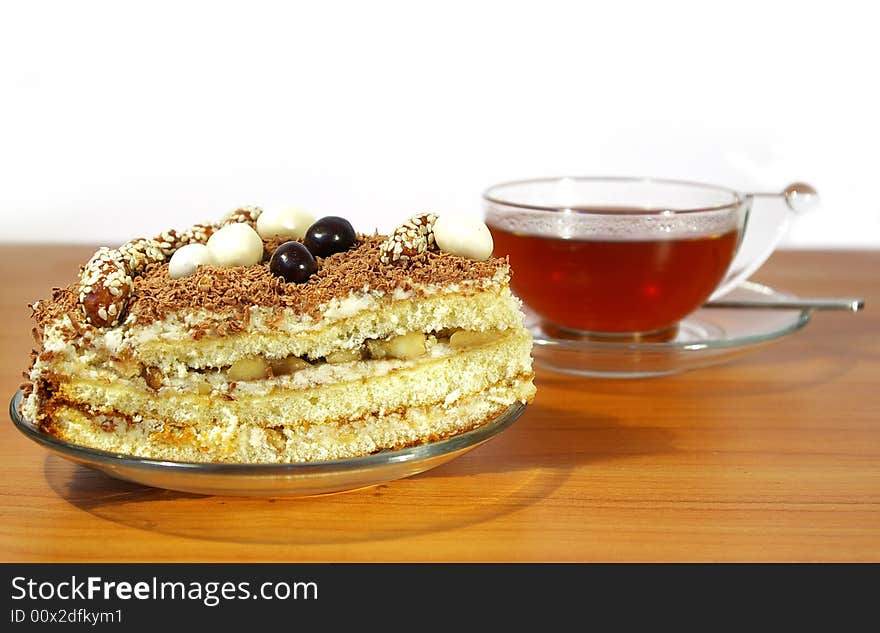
(275, 337)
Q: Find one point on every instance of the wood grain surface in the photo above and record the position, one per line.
(775, 456)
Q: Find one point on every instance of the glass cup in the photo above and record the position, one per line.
(628, 258)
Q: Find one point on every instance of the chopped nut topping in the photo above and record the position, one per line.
(154, 377)
(343, 356)
(252, 368)
(287, 366)
(467, 338)
(405, 347)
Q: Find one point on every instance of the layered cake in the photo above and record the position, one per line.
(275, 337)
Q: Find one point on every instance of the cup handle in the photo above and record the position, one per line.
(766, 231)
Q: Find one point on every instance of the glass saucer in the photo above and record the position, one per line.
(709, 336)
(270, 480)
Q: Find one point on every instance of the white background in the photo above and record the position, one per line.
(121, 119)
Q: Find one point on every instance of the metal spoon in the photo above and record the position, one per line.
(851, 304)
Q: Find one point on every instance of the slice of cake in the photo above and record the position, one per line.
(275, 338)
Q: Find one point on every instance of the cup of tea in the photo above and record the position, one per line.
(628, 258)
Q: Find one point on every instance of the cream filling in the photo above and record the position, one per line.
(92, 368)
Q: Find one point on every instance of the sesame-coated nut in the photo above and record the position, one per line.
(196, 234)
(105, 286)
(410, 239)
(136, 254)
(167, 242)
(248, 214)
(172, 240)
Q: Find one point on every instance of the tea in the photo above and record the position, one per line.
(616, 286)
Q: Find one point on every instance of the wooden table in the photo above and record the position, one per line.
(775, 456)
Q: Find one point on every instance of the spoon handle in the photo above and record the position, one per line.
(851, 304)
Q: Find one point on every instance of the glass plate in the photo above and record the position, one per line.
(270, 480)
(709, 336)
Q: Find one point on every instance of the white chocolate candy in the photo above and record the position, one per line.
(289, 222)
(463, 236)
(236, 245)
(187, 259)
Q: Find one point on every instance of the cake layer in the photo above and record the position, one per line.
(295, 442)
(359, 388)
(200, 340)
(274, 336)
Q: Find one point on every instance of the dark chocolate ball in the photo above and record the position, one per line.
(294, 262)
(329, 235)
